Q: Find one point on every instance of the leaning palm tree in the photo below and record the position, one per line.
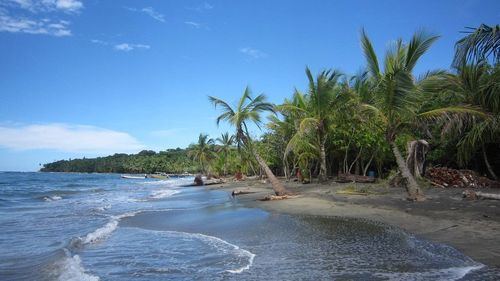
(478, 45)
(395, 93)
(226, 141)
(247, 110)
(315, 110)
(202, 151)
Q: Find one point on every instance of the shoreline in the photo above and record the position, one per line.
(473, 227)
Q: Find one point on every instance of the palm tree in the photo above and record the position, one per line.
(478, 45)
(226, 141)
(315, 110)
(476, 118)
(247, 110)
(202, 151)
(395, 93)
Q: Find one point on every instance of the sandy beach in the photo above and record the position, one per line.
(472, 227)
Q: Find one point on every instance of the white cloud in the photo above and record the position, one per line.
(150, 12)
(253, 53)
(67, 138)
(99, 42)
(32, 26)
(37, 6)
(193, 24)
(69, 5)
(129, 47)
(37, 16)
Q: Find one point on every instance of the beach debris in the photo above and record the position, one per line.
(277, 197)
(238, 176)
(241, 192)
(475, 195)
(343, 178)
(198, 181)
(452, 178)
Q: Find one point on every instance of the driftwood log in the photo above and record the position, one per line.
(474, 195)
(277, 197)
(241, 192)
(354, 178)
(198, 181)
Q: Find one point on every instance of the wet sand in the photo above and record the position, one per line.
(472, 227)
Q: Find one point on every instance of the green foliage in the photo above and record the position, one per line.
(348, 123)
(170, 161)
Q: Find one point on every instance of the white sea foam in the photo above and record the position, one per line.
(163, 193)
(52, 198)
(223, 245)
(72, 270)
(102, 208)
(103, 232)
(452, 273)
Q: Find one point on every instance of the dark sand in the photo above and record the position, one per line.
(473, 227)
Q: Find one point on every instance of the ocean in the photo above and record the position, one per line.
(56, 226)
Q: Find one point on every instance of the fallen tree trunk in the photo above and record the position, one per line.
(343, 178)
(241, 192)
(198, 181)
(474, 195)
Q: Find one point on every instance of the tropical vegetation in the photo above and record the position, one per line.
(353, 124)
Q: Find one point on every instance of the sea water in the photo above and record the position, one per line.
(56, 226)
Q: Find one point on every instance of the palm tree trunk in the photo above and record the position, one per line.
(322, 164)
(414, 192)
(488, 166)
(278, 188)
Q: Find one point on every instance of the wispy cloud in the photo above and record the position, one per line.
(37, 6)
(67, 138)
(193, 24)
(126, 47)
(37, 17)
(148, 11)
(33, 26)
(99, 42)
(253, 53)
(67, 5)
(205, 6)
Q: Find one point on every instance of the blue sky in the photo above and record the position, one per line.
(89, 77)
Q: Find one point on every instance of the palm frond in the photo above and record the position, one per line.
(478, 45)
(371, 57)
(419, 44)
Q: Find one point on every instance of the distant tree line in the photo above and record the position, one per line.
(146, 161)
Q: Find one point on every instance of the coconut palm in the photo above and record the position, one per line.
(475, 120)
(395, 93)
(202, 151)
(478, 45)
(226, 142)
(314, 112)
(248, 110)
